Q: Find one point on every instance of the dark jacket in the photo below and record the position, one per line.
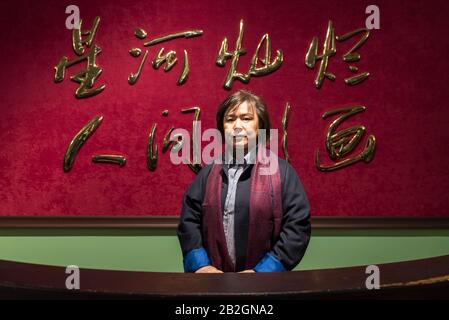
(295, 230)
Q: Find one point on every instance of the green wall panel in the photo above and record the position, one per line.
(158, 250)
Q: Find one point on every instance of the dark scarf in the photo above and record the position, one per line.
(265, 215)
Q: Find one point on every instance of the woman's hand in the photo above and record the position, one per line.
(248, 271)
(208, 269)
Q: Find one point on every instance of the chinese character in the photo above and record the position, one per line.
(352, 56)
(87, 76)
(169, 58)
(267, 65)
(78, 141)
(176, 142)
(329, 50)
(285, 118)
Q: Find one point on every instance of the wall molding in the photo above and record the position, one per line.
(169, 222)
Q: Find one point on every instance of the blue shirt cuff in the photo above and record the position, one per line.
(195, 259)
(269, 263)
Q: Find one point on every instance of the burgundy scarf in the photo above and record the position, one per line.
(265, 215)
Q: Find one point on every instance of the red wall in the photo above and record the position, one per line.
(406, 97)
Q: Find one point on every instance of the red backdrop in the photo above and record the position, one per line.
(406, 98)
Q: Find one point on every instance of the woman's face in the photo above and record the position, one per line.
(240, 125)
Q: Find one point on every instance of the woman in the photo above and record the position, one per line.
(235, 219)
